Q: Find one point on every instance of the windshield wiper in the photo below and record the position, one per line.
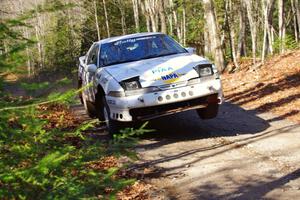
(168, 54)
(116, 63)
(151, 56)
(159, 55)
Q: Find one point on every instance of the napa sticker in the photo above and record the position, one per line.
(170, 78)
(166, 74)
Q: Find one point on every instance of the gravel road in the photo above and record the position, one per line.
(238, 155)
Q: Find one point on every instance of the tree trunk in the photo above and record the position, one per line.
(242, 28)
(146, 14)
(209, 13)
(270, 26)
(169, 16)
(26, 35)
(207, 43)
(96, 20)
(230, 24)
(150, 12)
(253, 29)
(297, 15)
(37, 35)
(123, 21)
(106, 18)
(162, 16)
(294, 20)
(148, 23)
(267, 41)
(176, 22)
(281, 25)
(135, 6)
(184, 23)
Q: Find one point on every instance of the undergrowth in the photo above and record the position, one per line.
(42, 161)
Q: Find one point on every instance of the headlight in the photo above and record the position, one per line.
(116, 94)
(204, 70)
(131, 84)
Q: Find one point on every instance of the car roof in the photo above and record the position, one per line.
(130, 36)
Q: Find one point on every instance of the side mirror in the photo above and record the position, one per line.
(191, 50)
(92, 68)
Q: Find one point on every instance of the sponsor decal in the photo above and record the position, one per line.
(132, 40)
(170, 78)
(166, 74)
(161, 70)
(111, 102)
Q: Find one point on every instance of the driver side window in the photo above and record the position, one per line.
(93, 55)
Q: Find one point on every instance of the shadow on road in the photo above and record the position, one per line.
(232, 120)
(197, 149)
(252, 189)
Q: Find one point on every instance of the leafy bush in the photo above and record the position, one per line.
(41, 158)
(43, 87)
(31, 87)
(288, 43)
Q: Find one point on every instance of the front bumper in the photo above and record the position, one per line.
(151, 105)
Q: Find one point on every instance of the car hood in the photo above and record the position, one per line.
(160, 70)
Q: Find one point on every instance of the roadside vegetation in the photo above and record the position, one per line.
(45, 153)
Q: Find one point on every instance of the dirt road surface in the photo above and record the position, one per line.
(238, 155)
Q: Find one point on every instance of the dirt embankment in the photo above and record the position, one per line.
(273, 87)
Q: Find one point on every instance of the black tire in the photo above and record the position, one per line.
(113, 127)
(210, 112)
(99, 106)
(80, 93)
(89, 108)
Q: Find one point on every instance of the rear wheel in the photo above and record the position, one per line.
(210, 112)
(80, 93)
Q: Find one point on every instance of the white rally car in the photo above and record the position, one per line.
(144, 76)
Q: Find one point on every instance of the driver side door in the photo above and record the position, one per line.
(88, 77)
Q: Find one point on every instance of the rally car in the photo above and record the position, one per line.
(143, 76)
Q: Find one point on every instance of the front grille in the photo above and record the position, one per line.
(146, 113)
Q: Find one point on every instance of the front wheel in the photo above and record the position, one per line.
(210, 112)
(113, 127)
(89, 107)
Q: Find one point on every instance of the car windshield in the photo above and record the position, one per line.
(139, 48)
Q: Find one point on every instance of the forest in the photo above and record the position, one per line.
(54, 153)
(51, 34)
